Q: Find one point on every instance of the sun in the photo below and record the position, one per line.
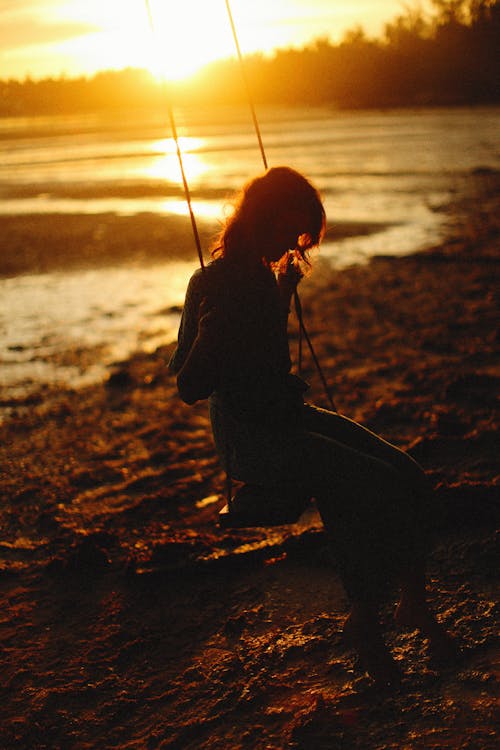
(185, 35)
(191, 33)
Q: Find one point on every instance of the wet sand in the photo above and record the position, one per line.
(129, 620)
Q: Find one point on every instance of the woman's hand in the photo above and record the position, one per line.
(288, 278)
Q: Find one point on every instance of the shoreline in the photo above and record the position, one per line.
(115, 264)
(408, 344)
(116, 631)
(42, 243)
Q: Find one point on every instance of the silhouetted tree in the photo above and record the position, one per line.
(448, 56)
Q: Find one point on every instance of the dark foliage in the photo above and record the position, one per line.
(449, 58)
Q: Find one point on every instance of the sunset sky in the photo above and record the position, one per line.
(52, 37)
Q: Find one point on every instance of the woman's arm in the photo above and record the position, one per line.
(194, 360)
(197, 378)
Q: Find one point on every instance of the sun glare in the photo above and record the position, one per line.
(186, 35)
(166, 165)
(82, 37)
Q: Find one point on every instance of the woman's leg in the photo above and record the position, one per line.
(413, 509)
(346, 431)
(357, 497)
(357, 494)
(412, 610)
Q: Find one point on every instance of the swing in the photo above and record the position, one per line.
(255, 506)
(251, 505)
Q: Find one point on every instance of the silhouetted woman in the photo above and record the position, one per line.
(233, 349)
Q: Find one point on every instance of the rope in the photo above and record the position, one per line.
(299, 345)
(298, 310)
(175, 136)
(247, 85)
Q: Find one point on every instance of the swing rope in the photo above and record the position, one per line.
(247, 84)
(298, 309)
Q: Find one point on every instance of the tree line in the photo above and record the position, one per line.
(448, 57)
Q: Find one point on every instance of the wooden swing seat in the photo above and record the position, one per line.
(255, 506)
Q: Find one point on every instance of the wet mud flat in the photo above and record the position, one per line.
(47, 242)
(130, 620)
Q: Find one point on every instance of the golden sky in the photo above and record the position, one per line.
(52, 37)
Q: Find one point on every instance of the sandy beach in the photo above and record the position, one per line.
(130, 620)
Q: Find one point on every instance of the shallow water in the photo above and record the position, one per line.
(397, 165)
(66, 327)
(397, 168)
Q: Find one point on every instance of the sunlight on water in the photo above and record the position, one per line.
(398, 169)
(44, 204)
(167, 165)
(71, 326)
(202, 209)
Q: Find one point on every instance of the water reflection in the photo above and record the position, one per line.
(396, 168)
(202, 209)
(166, 165)
(71, 326)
